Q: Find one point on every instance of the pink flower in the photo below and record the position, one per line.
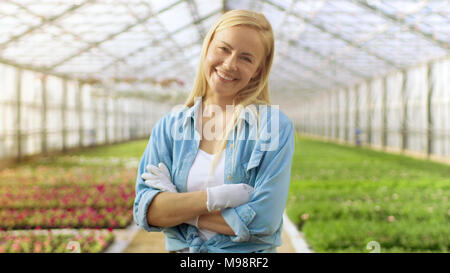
(16, 246)
(37, 247)
(101, 188)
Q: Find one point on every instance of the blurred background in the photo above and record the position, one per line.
(365, 82)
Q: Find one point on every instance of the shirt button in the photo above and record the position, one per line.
(229, 177)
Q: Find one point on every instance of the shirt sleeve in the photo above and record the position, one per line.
(158, 150)
(262, 215)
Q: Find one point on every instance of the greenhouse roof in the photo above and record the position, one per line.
(137, 44)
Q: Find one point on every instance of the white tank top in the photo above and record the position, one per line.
(198, 179)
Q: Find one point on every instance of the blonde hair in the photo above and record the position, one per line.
(257, 90)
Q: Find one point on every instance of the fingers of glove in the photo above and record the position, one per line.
(170, 187)
(155, 184)
(164, 170)
(149, 176)
(237, 188)
(161, 186)
(240, 195)
(247, 188)
(153, 169)
(210, 204)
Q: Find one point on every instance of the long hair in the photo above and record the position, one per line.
(257, 90)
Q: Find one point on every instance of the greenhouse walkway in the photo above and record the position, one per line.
(136, 240)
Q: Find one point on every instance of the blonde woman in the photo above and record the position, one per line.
(215, 175)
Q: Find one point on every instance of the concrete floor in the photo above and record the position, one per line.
(153, 242)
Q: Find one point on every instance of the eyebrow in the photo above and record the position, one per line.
(243, 53)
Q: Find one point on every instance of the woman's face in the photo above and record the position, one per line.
(233, 59)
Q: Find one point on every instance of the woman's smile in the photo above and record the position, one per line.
(224, 77)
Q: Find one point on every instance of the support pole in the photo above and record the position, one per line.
(369, 113)
(330, 116)
(95, 121)
(430, 92)
(18, 113)
(346, 121)
(80, 115)
(404, 129)
(64, 115)
(116, 120)
(338, 120)
(105, 109)
(357, 124)
(384, 120)
(44, 147)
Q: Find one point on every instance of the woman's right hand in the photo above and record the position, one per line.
(227, 196)
(159, 178)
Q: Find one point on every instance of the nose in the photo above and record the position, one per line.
(230, 62)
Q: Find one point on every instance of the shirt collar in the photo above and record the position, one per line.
(193, 111)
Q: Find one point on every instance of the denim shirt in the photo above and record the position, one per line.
(263, 158)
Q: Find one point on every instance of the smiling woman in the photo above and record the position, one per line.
(236, 206)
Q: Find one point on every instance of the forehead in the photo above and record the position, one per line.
(241, 38)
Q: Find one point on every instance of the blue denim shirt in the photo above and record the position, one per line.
(262, 160)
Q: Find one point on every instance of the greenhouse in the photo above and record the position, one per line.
(365, 83)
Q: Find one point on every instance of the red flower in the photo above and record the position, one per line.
(101, 188)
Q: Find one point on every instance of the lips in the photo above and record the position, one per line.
(225, 77)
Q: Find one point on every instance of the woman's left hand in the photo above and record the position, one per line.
(159, 178)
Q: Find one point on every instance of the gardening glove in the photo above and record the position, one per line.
(227, 196)
(159, 178)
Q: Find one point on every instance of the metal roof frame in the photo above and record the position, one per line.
(327, 52)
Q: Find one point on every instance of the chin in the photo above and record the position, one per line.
(222, 92)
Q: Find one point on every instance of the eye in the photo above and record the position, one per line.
(247, 59)
(224, 49)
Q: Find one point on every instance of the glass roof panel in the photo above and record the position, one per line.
(324, 44)
(45, 8)
(187, 37)
(180, 12)
(14, 21)
(204, 7)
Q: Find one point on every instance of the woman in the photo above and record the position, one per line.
(218, 178)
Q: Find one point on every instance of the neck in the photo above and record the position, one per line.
(221, 101)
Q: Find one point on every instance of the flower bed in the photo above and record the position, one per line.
(67, 196)
(91, 241)
(62, 195)
(92, 189)
(343, 198)
(83, 217)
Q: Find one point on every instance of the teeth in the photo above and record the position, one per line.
(223, 76)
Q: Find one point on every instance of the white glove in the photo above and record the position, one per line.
(159, 178)
(227, 196)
